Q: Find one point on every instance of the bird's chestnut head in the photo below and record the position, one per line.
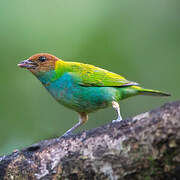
(42, 62)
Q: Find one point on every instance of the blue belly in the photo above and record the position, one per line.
(80, 98)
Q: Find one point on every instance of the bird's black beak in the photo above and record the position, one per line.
(28, 64)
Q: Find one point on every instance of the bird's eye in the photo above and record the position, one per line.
(42, 58)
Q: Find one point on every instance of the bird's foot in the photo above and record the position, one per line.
(117, 120)
(122, 122)
(67, 134)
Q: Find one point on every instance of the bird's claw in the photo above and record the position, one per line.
(117, 120)
(67, 134)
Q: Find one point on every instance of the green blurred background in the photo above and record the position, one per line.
(137, 39)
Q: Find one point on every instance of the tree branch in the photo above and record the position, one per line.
(146, 146)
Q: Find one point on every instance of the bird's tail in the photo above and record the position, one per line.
(151, 92)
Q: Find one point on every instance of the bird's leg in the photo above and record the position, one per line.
(115, 105)
(83, 117)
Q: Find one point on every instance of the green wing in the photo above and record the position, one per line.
(89, 75)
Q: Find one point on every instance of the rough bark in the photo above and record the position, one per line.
(146, 146)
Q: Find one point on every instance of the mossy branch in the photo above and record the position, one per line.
(146, 146)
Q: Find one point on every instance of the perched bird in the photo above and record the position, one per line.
(83, 87)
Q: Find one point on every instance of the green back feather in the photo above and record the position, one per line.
(89, 75)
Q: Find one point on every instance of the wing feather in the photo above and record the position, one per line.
(89, 75)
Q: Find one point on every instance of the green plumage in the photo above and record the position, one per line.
(89, 75)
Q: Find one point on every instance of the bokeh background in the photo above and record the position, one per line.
(137, 39)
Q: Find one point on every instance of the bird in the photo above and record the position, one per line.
(81, 87)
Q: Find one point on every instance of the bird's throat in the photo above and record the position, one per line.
(47, 77)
